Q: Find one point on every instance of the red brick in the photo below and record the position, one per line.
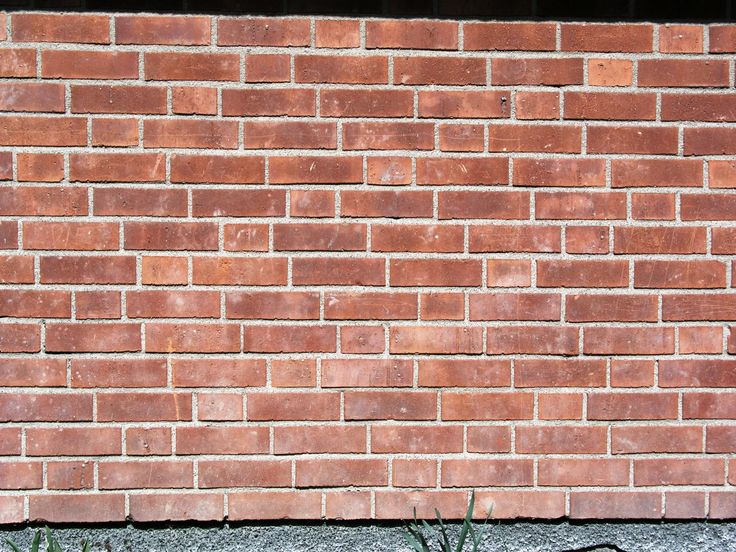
(416, 35)
(560, 406)
(709, 406)
(290, 135)
(172, 30)
(290, 102)
(431, 340)
(602, 37)
(435, 272)
(701, 339)
(537, 105)
(396, 505)
(509, 36)
(684, 505)
(312, 203)
(118, 373)
(610, 106)
(703, 306)
(356, 472)
(679, 274)
(315, 170)
(140, 202)
(244, 473)
(341, 69)
(246, 237)
(35, 96)
(73, 441)
(388, 136)
(419, 238)
(489, 439)
(192, 338)
(697, 373)
(148, 441)
(28, 372)
(142, 407)
(411, 472)
(659, 240)
(487, 473)
(710, 141)
(560, 373)
(722, 38)
(722, 174)
(708, 207)
(76, 338)
(114, 132)
(464, 104)
(657, 172)
(16, 269)
(461, 171)
(262, 31)
(559, 172)
(648, 439)
(176, 507)
(426, 70)
(367, 306)
(506, 239)
(171, 66)
(319, 237)
(28, 303)
(390, 405)
(239, 271)
(587, 239)
(682, 72)
(17, 62)
(700, 107)
(222, 372)
(656, 206)
(362, 339)
(580, 205)
(330, 439)
(78, 508)
(610, 72)
(461, 137)
(442, 306)
(164, 236)
(43, 131)
(416, 439)
(582, 273)
(260, 505)
(366, 103)
(611, 308)
(632, 406)
(515, 306)
(629, 341)
(293, 406)
(10, 442)
(192, 100)
(615, 505)
(294, 373)
(68, 476)
(117, 167)
(149, 474)
(720, 439)
(386, 204)
(88, 236)
(537, 71)
(389, 171)
(238, 203)
(682, 39)
(632, 139)
(561, 440)
(173, 304)
(217, 169)
(97, 304)
(58, 407)
(547, 340)
(484, 205)
(534, 138)
(221, 440)
(185, 133)
(84, 64)
(337, 33)
(289, 339)
(37, 27)
(88, 270)
(219, 407)
(487, 406)
(464, 373)
(678, 471)
(40, 167)
(92, 98)
(267, 68)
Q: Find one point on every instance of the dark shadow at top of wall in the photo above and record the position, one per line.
(604, 10)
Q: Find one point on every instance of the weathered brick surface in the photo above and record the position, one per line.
(249, 263)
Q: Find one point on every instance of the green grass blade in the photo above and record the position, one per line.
(36, 543)
(12, 545)
(443, 538)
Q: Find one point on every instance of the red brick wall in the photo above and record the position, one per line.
(303, 268)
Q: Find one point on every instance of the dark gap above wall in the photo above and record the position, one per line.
(628, 10)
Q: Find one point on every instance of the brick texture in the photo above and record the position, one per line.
(250, 263)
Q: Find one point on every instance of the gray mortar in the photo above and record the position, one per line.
(511, 537)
